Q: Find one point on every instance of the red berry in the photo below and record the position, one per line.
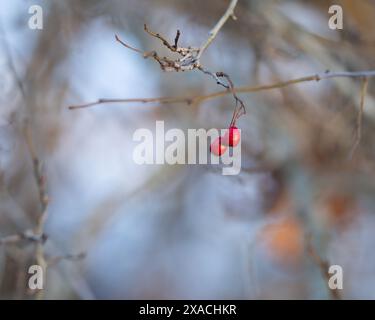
(217, 147)
(232, 137)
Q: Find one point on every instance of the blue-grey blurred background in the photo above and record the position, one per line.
(186, 231)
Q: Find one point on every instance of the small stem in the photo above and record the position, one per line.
(176, 39)
(127, 46)
(238, 112)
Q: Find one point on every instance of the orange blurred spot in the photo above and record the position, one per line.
(339, 205)
(340, 209)
(284, 240)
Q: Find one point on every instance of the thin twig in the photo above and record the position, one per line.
(213, 75)
(28, 235)
(186, 62)
(238, 112)
(15, 238)
(164, 63)
(244, 89)
(162, 100)
(359, 117)
(71, 257)
(213, 33)
(163, 40)
(41, 184)
(323, 266)
(127, 46)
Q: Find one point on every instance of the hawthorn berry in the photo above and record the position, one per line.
(217, 147)
(232, 137)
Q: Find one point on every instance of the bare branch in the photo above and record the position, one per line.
(218, 26)
(189, 59)
(244, 89)
(36, 235)
(161, 100)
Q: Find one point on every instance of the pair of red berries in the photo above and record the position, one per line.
(231, 138)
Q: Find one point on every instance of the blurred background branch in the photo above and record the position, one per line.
(186, 231)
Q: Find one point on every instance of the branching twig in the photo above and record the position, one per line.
(43, 200)
(37, 235)
(189, 60)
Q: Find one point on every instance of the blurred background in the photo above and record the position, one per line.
(186, 231)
